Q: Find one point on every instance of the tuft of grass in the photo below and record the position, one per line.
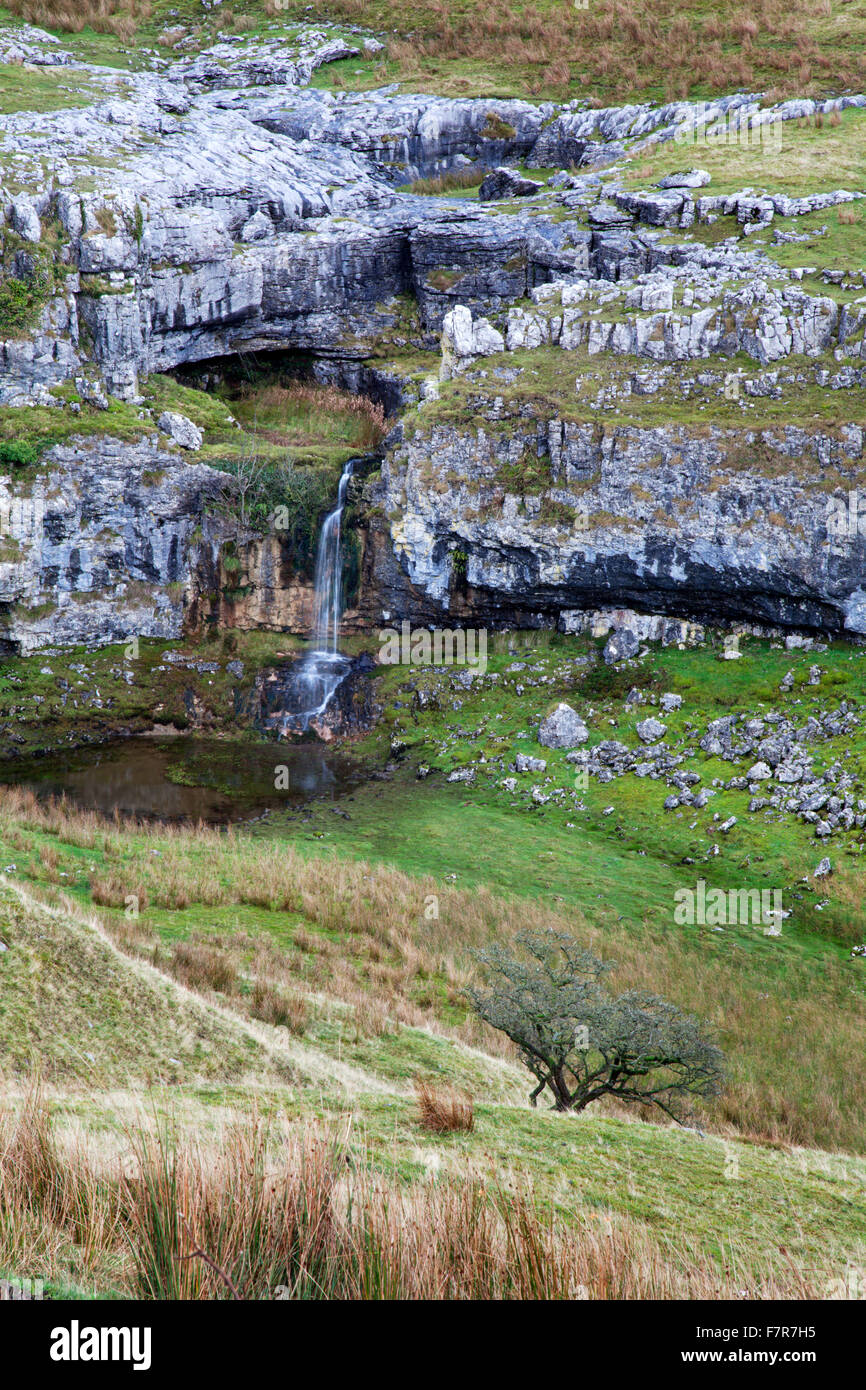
(302, 414)
(263, 1213)
(203, 968)
(120, 18)
(443, 1110)
(448, 182)
(281, 1010)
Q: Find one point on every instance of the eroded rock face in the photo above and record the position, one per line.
(234, 211)
(415, 134)
(99, 549)
(745, 544)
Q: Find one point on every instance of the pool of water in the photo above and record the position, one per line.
(187, 778)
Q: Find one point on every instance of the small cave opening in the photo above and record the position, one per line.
(287, 426)
(241, 378)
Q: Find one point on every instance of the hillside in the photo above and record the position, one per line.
(327, 335)
(351, 1077)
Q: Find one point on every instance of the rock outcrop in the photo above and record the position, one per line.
(100, 548)
(744, 542)
(232, 209)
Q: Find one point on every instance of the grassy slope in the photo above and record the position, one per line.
(609, 51)
(734, 1203)
(378, 978)
(81, 1011)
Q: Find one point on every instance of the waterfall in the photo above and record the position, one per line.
(329, 573)
(315, 678)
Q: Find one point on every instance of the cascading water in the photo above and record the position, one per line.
(314, 679)
(329, 573)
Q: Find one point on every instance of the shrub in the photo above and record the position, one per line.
(20, 453)
(581, 1043)
(16, 305)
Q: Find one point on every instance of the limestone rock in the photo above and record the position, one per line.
(650, 730)
(563, 728)
(689, 178)
(620, 646)
(506, 183)
(257, 227)
(180, 429)
(524, 763)
(25, 219)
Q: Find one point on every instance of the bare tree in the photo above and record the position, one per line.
(243, 489)
(582, 1043)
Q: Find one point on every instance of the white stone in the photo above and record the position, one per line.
(180, 429)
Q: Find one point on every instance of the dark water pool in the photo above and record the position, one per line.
(187, 778)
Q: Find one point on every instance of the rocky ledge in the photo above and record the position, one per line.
(606, 423)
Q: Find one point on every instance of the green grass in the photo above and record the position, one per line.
(44, 89)
(617, 873)
(735, 1196)
(37, 714)
(83, 1012)
(798, 158)
(44, 426)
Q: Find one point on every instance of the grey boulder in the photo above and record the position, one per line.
(180, 429)
(650, 730)
(506, 183)
(621, 645)
(687, 178)
(564, 728)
